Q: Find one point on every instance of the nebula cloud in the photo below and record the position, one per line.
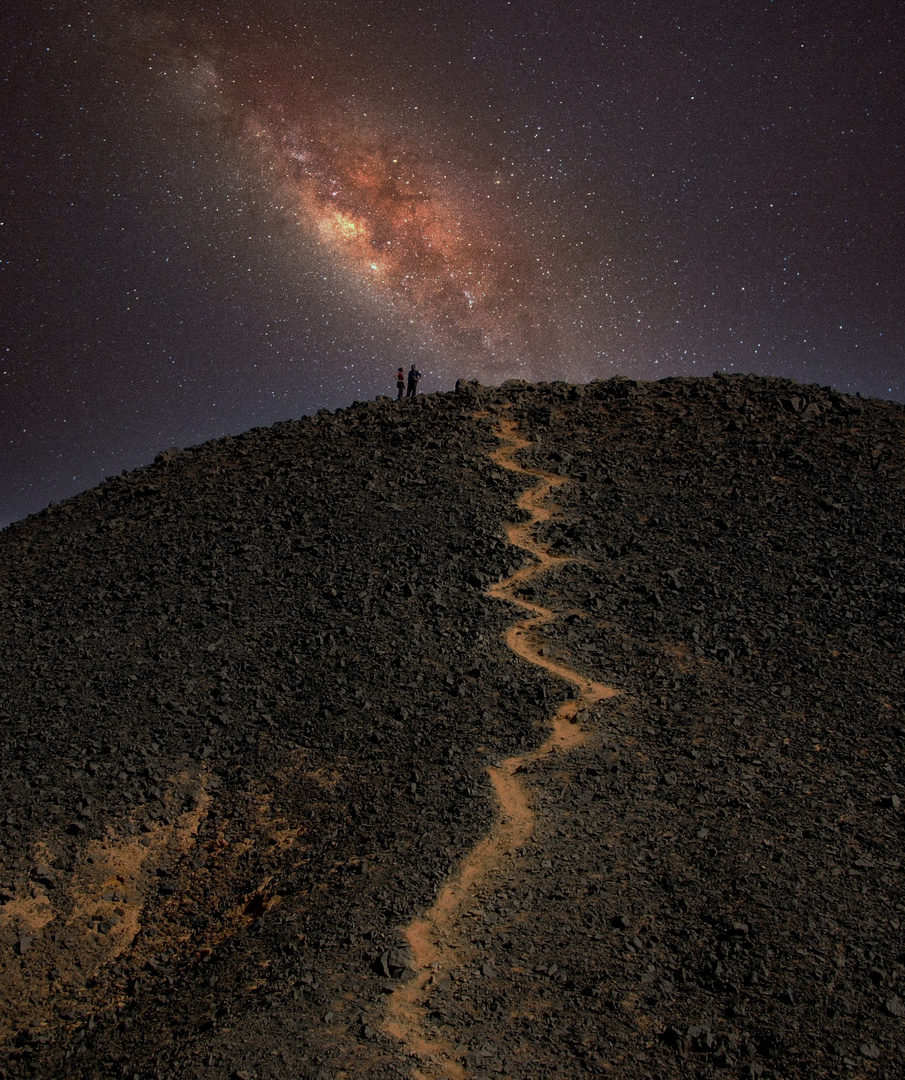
(410, 228)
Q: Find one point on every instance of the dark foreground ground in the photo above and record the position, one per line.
(248, 694)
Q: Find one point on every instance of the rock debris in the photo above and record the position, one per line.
(249, 694)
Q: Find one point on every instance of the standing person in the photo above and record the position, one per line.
(400, 384)
(414, 376)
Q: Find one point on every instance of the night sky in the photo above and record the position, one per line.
(217, 220)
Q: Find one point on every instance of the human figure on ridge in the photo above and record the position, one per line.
(400, 384)
(414, 376)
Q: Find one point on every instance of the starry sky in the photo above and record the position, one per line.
(220, 215)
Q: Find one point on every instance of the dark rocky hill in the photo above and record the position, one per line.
(249, 696)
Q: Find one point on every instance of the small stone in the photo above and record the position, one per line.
(395, 962)
(869, 1050)
(894, 1006)
(45, 876)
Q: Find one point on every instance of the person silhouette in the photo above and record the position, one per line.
(414, 376)
(400, 384)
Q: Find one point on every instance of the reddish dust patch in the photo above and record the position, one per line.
(236, 884)
(60, 930)
(430, 937)
(71, 944)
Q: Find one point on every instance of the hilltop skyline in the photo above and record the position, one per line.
(219, 220)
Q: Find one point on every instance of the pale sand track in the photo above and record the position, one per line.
(429, 936)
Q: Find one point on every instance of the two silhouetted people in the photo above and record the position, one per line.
(414, 377)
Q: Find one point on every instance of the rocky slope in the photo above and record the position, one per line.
(249, 695)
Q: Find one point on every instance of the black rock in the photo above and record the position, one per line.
(251, 692)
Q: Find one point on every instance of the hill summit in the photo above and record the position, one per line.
(519, 731)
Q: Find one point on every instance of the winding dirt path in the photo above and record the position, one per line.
(430, 936)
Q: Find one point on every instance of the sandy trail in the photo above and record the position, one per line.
(430, 937)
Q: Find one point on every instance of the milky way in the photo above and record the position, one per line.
(224, 216)
(416, 224)
(393, 219)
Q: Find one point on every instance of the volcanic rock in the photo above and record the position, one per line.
(250, 692)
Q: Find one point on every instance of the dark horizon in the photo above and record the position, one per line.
(405, 402)
(220, 219)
